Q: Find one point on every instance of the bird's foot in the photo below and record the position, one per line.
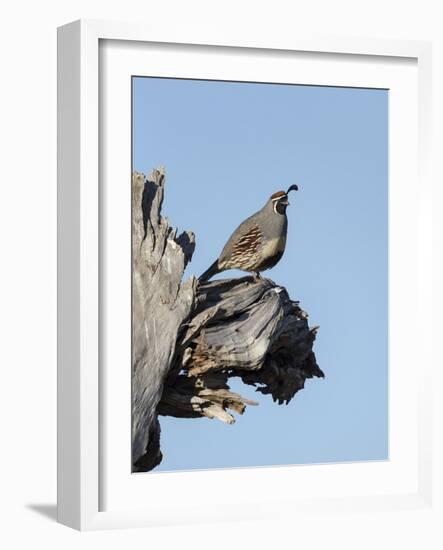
(257, 276)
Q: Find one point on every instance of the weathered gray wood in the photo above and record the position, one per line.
(190, 338)
(208, 395)
(160, 302)
(252, 329)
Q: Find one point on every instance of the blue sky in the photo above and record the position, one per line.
(227, 146)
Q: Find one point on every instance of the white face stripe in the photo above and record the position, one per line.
(276, 201)
(279, 198)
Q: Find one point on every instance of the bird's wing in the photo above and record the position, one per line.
(244, 244)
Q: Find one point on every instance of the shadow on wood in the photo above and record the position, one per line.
(189, 339)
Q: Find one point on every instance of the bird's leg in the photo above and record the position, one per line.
(257, 276)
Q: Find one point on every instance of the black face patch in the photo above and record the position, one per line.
(280, 207)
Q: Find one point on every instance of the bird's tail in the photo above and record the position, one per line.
(210, 272)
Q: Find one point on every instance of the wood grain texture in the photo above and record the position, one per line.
(190, 338)
(160, 303)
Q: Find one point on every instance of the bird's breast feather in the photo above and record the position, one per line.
(274, 246)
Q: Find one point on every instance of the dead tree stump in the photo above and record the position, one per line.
(188, 339)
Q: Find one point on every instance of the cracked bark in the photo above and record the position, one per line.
(188, 339)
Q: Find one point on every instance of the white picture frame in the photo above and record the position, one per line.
(403, 481)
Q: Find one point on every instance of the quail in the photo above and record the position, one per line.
(259, 242)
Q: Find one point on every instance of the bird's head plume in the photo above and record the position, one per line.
(280, 201)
